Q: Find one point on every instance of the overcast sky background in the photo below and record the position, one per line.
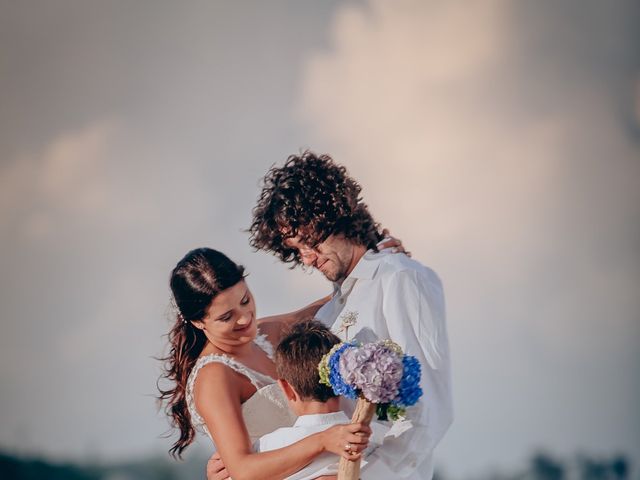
(500, 140)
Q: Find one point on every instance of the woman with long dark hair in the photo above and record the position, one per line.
(223, 376)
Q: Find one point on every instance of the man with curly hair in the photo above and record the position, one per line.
(310, 213)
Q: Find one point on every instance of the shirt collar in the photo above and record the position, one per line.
(367, 265)
(321, 419)
(365, 269)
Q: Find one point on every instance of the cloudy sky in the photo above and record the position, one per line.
(499, 139)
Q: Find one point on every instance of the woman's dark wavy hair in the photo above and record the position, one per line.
(195, 281)
(312, 197)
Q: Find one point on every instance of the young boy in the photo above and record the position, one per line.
(317, 407)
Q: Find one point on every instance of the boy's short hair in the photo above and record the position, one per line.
(298, 355)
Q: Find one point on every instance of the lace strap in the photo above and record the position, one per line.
(226, 360)
(262, 341)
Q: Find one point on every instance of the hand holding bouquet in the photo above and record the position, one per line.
(379, 375)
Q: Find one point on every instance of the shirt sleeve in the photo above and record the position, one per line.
(413, 309)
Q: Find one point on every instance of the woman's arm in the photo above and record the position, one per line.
(274, 325)
(218, 399)
(305, 313)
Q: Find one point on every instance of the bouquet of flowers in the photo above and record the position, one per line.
(383, 379)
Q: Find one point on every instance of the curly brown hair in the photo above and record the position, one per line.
(310, 197)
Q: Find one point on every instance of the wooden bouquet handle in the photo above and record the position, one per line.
(363, 414)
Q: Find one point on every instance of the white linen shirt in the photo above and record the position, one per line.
(395, 297)
(323, 464)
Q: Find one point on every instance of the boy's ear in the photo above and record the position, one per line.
(288, 390)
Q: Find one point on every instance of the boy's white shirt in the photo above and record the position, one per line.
(325, 463)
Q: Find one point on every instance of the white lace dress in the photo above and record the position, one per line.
(265, 411)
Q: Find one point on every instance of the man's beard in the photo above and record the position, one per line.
(337, 275)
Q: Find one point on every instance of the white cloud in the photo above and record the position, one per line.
(66, 178)
(70, 170)
(521, 192)
(91, 226)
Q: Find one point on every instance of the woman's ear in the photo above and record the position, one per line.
(199, 324)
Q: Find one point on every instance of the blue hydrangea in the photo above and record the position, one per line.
(338, 384)
(410, 390)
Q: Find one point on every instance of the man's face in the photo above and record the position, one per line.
(333, 257)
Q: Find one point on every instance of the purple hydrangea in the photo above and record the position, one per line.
(373, 369)
(337, 382)
(409, 391)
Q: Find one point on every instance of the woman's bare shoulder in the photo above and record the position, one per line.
(217, 379)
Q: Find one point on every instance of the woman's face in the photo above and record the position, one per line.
(231, 317)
